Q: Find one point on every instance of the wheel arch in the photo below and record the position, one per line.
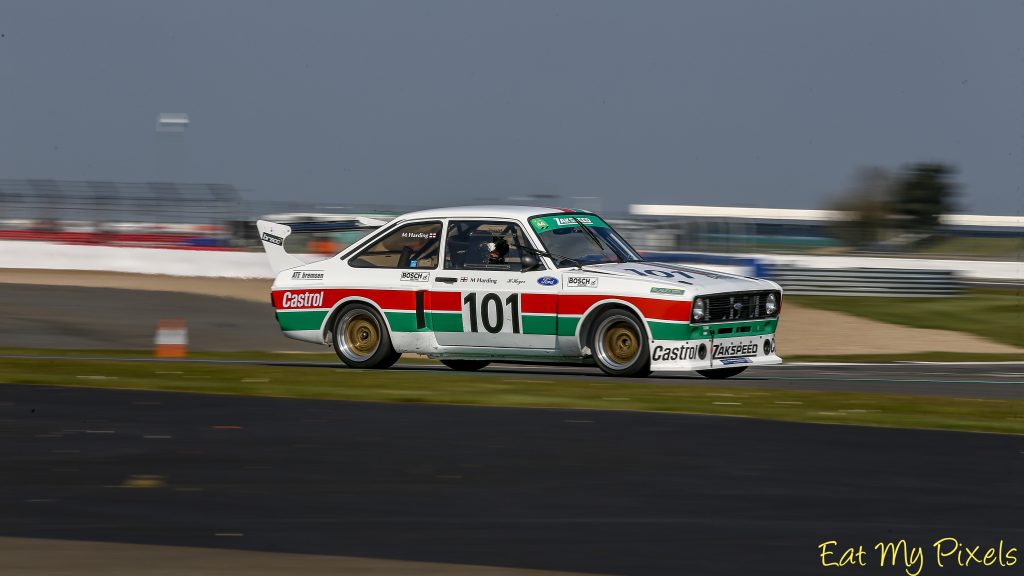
(595, 310)
(327, 328)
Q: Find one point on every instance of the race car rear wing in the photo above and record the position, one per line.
(272, 235)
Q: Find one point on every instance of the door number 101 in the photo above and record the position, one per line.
(490, 313)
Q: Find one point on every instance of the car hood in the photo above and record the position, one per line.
(693, 280)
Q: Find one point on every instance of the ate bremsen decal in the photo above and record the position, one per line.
(308, 275)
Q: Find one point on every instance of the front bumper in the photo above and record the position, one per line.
(704, 354)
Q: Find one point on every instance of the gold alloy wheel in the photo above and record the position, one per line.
(617, 342)
(621, 344)
(360, 335)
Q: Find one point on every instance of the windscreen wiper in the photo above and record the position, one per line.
(550, 255)
(600, 246)
(591, 234)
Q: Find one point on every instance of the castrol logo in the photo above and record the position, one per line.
(303, 300)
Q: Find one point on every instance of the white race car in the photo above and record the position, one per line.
(481, 284)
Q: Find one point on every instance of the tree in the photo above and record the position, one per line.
(867, 204)
(923, 192)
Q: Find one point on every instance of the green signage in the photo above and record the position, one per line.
(545, 223)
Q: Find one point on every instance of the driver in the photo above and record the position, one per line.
(497, 248)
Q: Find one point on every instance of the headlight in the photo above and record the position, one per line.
(698, 309)
(772, 304)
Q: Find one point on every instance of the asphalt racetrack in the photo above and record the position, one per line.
(606, 492)
(573, 490)
(36, 316)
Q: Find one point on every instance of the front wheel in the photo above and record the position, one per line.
(465, 365)
(720, 373)
(619, 344)
(361, 338)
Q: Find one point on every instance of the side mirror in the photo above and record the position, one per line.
(529, 262)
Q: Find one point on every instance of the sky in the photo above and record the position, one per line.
(440, 102)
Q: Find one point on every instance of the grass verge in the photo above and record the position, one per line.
(148, 354)
(528, 390)
(992, 314)
(330, 357)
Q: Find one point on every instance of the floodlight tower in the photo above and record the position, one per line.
(171, 152)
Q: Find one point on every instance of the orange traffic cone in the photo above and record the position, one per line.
(171, 339)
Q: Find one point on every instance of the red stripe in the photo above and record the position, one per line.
(443, 301)
(539, 303)
(386, 299)
(651, 308)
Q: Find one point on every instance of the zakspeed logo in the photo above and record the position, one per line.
(572, 221)
(727, 350)
(580, 282)
(415, 276)
(307, 275)
(304, 300)
(683, 352)
(273, 239)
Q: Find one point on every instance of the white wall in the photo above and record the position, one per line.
(207, 263)
(255, 264)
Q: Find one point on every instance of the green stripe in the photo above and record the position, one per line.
(669, 330)
(538, 324)
(452, 322)
(674, 331)
(541, 325)
(301, 319)
(567, 326)
(445, 321)
(403, 322)
(435, 321)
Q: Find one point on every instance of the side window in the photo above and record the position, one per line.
(410, 246)
(484, 245)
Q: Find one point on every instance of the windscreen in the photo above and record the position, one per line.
(580, 239)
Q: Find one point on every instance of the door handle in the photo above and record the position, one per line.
(446, 279)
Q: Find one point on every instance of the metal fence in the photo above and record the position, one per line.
(865, 281)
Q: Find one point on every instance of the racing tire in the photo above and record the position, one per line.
(721, 373)
(619, 344)
(465, 365)
(361, 338)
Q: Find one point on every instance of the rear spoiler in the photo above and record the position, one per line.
(272, 235)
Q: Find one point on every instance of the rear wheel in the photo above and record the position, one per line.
(465, 365)
(721, 373)
(619, 344)
(361, 338)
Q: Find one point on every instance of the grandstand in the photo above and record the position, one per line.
(129, 213)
